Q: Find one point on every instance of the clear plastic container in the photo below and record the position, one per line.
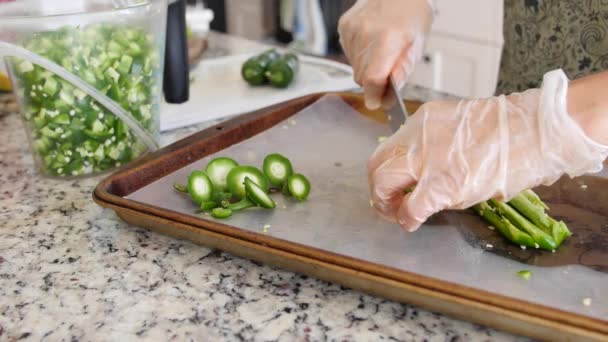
(116, 47)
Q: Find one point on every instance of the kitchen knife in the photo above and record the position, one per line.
(397, 113)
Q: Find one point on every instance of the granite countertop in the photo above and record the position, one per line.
(71, 270)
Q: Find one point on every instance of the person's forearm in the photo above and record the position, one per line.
(588, 105)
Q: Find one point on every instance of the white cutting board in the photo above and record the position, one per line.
(217, 89)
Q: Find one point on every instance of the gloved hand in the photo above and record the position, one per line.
(460, 153)
(381, 38)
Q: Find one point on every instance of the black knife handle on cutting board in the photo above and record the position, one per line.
(176, 83)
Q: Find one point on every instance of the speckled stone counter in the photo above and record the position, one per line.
(70, 270)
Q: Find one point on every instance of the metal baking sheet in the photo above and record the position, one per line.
(330, 142)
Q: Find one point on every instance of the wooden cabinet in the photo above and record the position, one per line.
(463, 50)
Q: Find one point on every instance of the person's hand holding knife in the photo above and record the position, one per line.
(383, 39)
(459, 153)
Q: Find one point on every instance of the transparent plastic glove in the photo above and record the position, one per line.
(383, 38)
(460, 153)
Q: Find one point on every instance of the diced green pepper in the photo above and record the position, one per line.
(25, 67)
(108, 57)
(62, 119)
(125, 64)
(112, 74)
(50, 133)
(51, 87)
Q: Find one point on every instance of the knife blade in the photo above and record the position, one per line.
(397, 113)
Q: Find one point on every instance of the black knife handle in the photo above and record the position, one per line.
(176, 83)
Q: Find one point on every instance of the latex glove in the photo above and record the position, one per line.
(383, 38)
(460, 153)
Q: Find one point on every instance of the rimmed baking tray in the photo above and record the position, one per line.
(453, 264)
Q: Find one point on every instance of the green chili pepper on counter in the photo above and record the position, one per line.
(254, 69)
(283, 71)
